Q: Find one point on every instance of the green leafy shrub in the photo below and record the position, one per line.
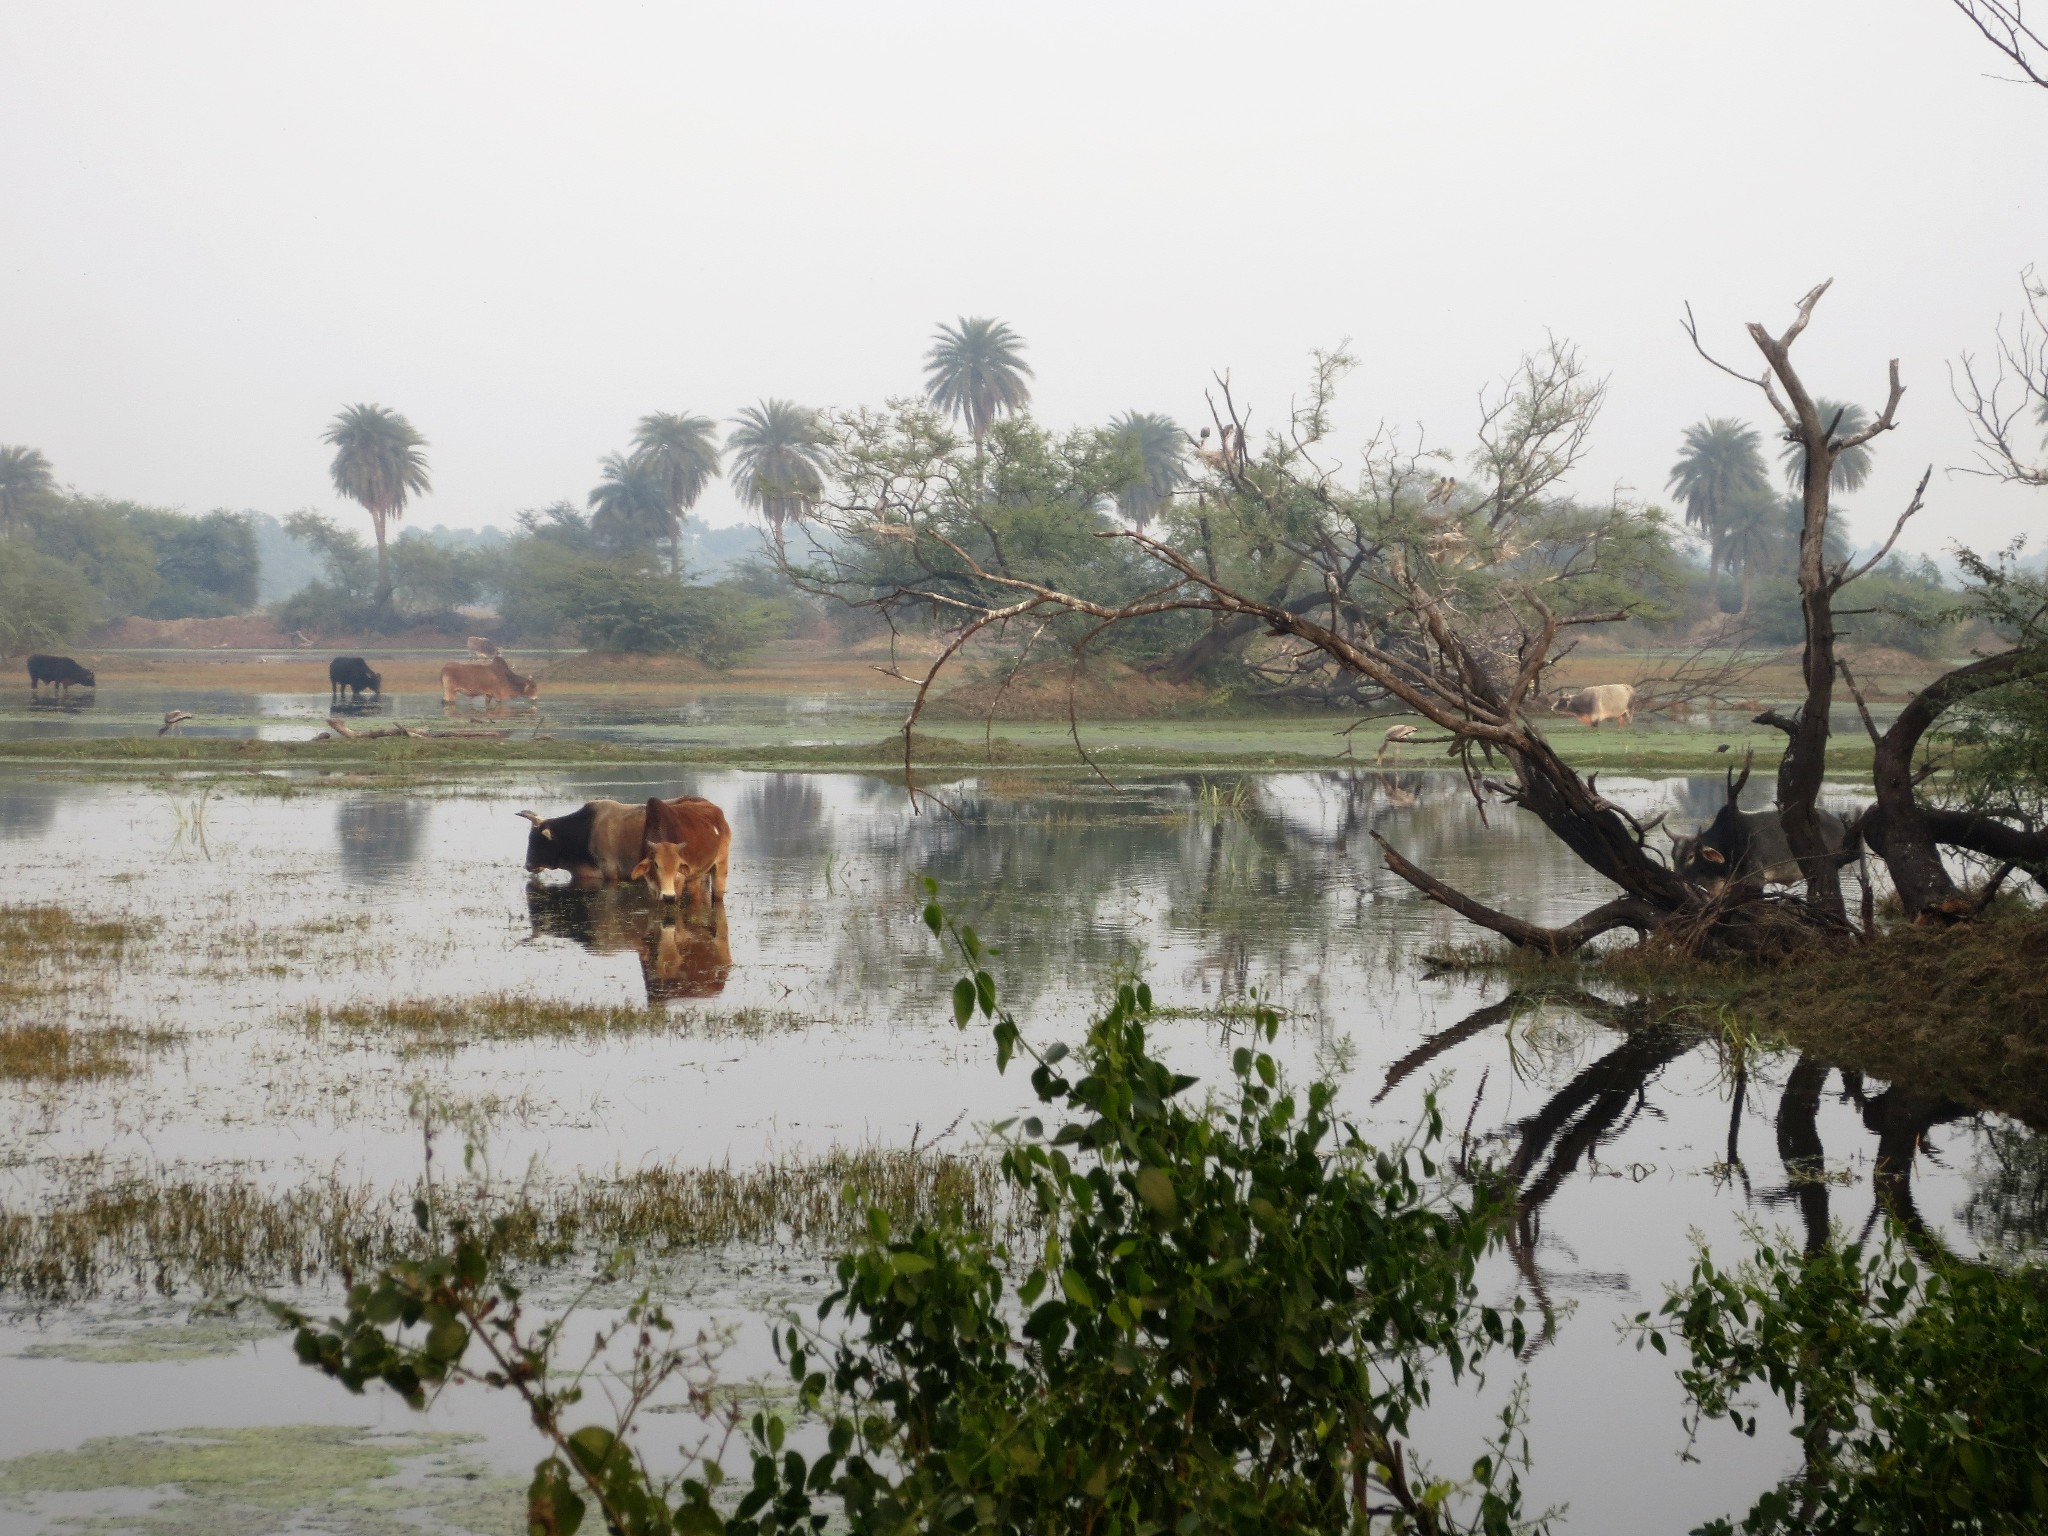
(44, 603)
(1230, 1318)
(1918, 1390)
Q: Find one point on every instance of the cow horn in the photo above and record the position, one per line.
(532, 816)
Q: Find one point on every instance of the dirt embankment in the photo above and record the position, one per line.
(1104, 690)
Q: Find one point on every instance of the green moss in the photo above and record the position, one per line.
(336, 1479)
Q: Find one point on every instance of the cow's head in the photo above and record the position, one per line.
(376, 682)
(529, 687)
(90, 680)
(667, 871)
(542, 848)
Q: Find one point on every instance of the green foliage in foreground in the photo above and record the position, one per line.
(44, 603)
(1919, 1390)
(1236, 1310)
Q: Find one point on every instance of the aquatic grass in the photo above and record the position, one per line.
(442, 1025)
(44, 1052)
(141, 1232)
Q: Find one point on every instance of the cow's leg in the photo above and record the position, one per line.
(722, 876)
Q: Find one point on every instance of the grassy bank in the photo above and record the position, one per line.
(1238, 745)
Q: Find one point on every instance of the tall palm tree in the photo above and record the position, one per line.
(1719, 476)
(1851, 468)
(628, 507)
(378, 465)
(1161, 447)
(683, 452)
(778, 460)
(1755, 540)
(976, 371)
(24, 479)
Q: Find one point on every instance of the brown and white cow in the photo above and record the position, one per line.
(684, 842)
(482, 647)
(1603, 701)
(493, 680)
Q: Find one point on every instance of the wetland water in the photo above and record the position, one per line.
(812, 1018)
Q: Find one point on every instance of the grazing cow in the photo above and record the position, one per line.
(597, 844)
(493, 680)
(354, 674)
(683, 842)
(1740, 845)
(680, 960)
(482, 647)
(1603, 701)
(60, 671)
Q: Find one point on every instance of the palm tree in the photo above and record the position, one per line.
(976, 371)
(628, 508)
(378, 465)
(1755, 540)
(1851, 468)
(25, 478)
(682, 450)
(778, 460)
(1160, 446)
(1719, 476)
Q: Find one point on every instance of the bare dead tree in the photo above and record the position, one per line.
(2010, 394)
(1452, 605)
(1804, 764)
(2004, 25)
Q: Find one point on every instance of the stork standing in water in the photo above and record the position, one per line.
(174, 721)
(1391, 742)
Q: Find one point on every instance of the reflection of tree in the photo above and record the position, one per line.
(2007, 1210)
(26, 810)
(381, 837)
(779, 815)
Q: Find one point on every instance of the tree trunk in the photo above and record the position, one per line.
(675, 548)
(1747, 568)
(1906, 834)
(383, 562)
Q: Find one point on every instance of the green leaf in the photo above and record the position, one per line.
(1076, 1288)
(590, 1446)
(1155, 1188)
(909, 1263)
(934, 919)
(963, 1001)
(552, 1507)
(985, 991)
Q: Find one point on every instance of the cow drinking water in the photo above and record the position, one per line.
(1603, 701)
(493, 680)
(61, 672)
(353, 674)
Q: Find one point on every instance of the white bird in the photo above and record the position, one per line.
(1391, 742)
(173, 719)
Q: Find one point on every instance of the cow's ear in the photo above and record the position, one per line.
(1712, 856)
(640, 870)
(548, 833)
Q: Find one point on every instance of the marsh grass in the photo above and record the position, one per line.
(38, 1051)
(142, 1232)
(437, 1026)
(49, 954)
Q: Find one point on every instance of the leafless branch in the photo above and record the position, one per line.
(2005, 28)
(1845, 576)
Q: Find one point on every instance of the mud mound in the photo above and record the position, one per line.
(1104, 691)
(247, 631)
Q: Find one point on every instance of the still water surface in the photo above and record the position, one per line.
(1627, 1141)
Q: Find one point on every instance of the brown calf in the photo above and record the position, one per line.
(684, 841)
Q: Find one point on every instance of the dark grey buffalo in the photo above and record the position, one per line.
(354, 674)
(1748, 845)
(61, 672)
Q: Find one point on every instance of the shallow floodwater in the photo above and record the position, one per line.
(1627, 1140)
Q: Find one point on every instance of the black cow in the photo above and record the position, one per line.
(354, 674)
(598, 843)
(59, 671)
(1750, 845)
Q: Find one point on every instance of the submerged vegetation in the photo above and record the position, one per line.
(426, 1026)
(104, 1231)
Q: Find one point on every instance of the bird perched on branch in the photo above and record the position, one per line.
(1440, 494)
(173, 720)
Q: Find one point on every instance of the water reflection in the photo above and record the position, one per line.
(779, 815)
(27, 809)
(691, 958)
(381, 837)
(682, 957)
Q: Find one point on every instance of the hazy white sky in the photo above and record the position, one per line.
(526, 225)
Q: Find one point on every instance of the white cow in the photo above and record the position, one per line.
(1603, 701)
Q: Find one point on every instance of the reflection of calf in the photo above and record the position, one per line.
(684, 841)
(686, 959)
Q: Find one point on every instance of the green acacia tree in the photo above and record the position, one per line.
(380, 464)
(778, 460)
(1720, 477)
(975, 371)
